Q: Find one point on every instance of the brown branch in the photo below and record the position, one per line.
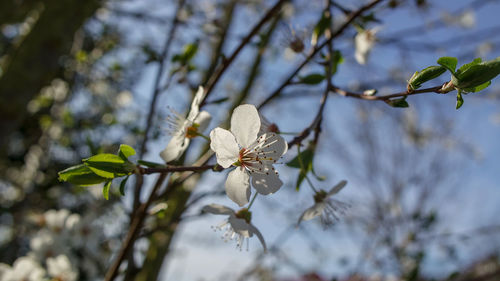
(226, 62)
(385, 98)
(170, 169)
(138, 219)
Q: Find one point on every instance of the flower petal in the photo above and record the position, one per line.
(266, 181)
(312, 212)
(271, 147)
(195, 105)
(245, 124)
(238, 186)
(175, 148)
(223, 143)
(338, 187)
(217, 209)
(254, 230)
(203, 119)
(240, 226)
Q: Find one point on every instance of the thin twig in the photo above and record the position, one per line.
(315, 50)
(226, 62)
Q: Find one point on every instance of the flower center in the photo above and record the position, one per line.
(192, 131)
(247, 157)
(320, 196)
(244, 214)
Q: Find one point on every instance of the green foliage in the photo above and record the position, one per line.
(101, 168)
(125, 151)
(449, 63)
(304, 162)
(80, 175)
(424, 75)
(312, 79)
(108, 165)
(105, 190)
(323, 24)
(460, 100)
(337, 59)
(476, 74)
(188, 52)
(401, 102)
(122, 186)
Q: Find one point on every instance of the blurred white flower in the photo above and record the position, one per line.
(55, 220)
(183, 129)
(364, 42)
(24, 269)
(252, 156)
(328, 208)
(467, 19)
(237, 226)
(60, 269)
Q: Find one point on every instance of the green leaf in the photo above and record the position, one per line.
(467, 66)
(304, 162)
(306, 156)
(122, 186)
(312, 79)
(449, 63)
(150, 164)
(125, 151)
(477, 74)
(478, 88)
(401, 102)
(320, 28)
(188, 52)
(108, 165)
(80, 175)
(337, 59)
(105, 190)
(460, 100)
(425, 75)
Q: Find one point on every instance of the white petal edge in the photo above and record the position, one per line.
(266, 183)
(312, 212)
(256, 231)
(223, 143)
(203, 120)
(217, 209)
(175, 147)
(195, 105)
(238, 186)
(245, 124)
(338, 187)
(273, 145)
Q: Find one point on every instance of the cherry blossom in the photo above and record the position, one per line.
(23, 269)
(364, 42)
(237, 226)
(252, 155)
(183, 129)
(328, 208)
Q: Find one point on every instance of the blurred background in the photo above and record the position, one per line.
(79, 78)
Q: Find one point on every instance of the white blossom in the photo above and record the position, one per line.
(24, 269)
(253, 156)
(364, 42)
(328, 208)
(183, 129)
(60, 268)
(237, 226)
